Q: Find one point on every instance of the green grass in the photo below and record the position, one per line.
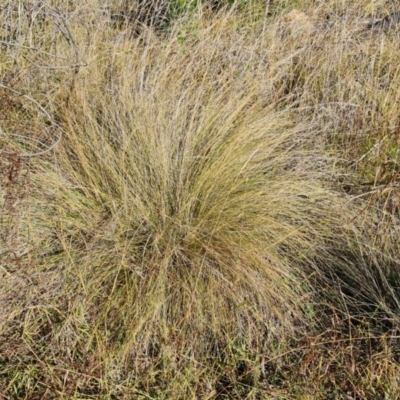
(219, 219)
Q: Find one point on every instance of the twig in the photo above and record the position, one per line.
(33, 49)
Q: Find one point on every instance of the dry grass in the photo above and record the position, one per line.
(220, 216)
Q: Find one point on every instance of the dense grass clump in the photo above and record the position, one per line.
(184, 208)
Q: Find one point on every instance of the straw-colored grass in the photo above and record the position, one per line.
(212, 217)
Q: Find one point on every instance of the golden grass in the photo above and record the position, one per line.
(207, 226)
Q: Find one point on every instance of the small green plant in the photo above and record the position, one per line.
(178, 8)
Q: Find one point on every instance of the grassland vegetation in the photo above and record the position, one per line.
(198, 201)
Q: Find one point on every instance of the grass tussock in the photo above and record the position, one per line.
(215, 215)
